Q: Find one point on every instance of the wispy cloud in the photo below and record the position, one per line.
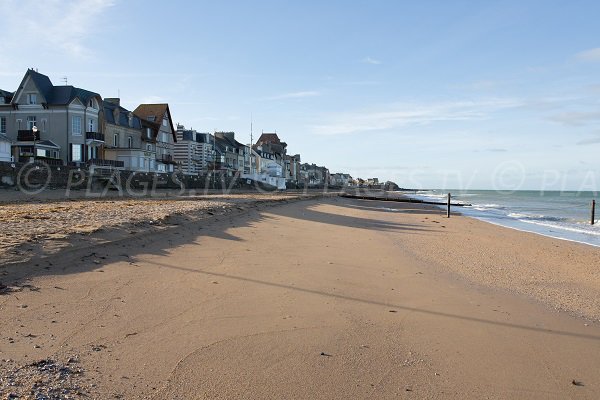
(589, 55)
(398, 115)
(295, 95)
(576, 118)
(369, 60)
(592, 140)
(57, 25)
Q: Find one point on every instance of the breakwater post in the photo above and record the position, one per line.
(448, 212)
(593, 211)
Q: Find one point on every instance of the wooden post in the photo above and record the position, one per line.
(448, 213)
(593, 211)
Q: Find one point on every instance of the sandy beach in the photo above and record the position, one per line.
(325, 298)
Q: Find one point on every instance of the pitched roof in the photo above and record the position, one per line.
(269, 138)
(157, 111)
(56, 95)
(7, 95)
(62, 95)
(123, 117)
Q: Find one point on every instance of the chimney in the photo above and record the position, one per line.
(113, 100)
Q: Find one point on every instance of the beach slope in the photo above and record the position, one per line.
(320, 299)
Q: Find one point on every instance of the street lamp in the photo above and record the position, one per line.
(34, 129)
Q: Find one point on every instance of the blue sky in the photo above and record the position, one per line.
(454, 94)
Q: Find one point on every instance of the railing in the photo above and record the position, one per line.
(95, 136)
(165, 158)
(47, 160)
(99, 162)
(27, 135)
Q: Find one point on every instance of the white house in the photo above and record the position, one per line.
(5, 146)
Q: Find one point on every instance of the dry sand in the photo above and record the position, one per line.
(316, 299)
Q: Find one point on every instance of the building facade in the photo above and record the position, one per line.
(158, 136)
(5, 148)
(123, 138)
(58, 124)
(193, 151)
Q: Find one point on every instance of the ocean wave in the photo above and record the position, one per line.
(567, 228)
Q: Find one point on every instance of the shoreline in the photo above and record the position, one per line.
(573, 232)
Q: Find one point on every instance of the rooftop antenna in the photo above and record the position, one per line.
(65, 80)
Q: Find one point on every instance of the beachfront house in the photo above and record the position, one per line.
(237, 155)
(5, 148)
(269, 143)
(193, 150)
(292, 169)
(124, 138)
(158, 136)
(57, 124)
(340, 179)
(312, 175)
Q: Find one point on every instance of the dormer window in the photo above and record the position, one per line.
(31, 98)
(151, 118)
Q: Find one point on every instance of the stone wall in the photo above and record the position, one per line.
(32, 177)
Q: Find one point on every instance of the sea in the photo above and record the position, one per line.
(562, 215)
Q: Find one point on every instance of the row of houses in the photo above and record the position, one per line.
(66, 125)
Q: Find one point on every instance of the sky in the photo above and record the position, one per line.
(429, 94)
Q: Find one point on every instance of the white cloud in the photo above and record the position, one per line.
(295, 95)
(397, 115)
(591, 140)
(58, 26)
(369, 60)
(576, 118)
(589, 55)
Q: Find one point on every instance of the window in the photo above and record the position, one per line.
(76, 152)
(31, 98)
(129, 142)
(149, 133)
(41, 153)
(116, 140)
(165, 122)
(76, 125)
(151, 118)
(91, 126)
(149, 147)
(2, 124)
(44, 125)
(30, 122)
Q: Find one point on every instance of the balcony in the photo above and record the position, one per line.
(99, 162)
(165, 158)
(96, 136)
(27, 135)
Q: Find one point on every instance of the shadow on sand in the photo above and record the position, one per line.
(180, 231)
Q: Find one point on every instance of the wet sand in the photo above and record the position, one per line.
(319, 299)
